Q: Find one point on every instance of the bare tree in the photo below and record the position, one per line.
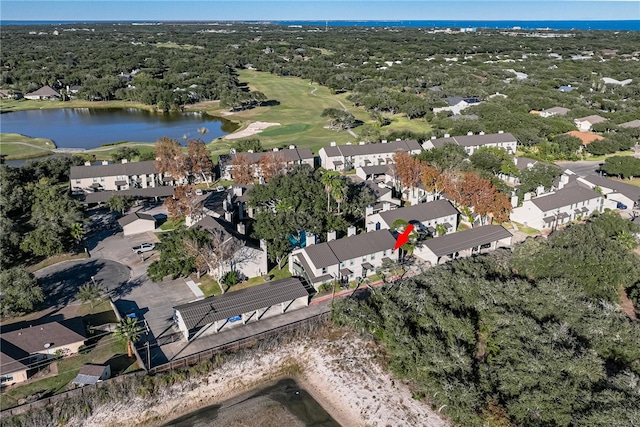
(200, 159)
(213, 252)
(170, 159)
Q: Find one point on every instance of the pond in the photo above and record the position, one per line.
(283, 404)
(91, 128)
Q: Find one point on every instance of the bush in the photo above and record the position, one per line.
(231, 278)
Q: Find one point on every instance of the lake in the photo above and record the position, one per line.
(284, 404)
(91, 128)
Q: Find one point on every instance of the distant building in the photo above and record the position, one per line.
(554, 111)
(585, 123)
(568, 88)
(345, 157)
(290, 157)
(117, 176)
(615, 191)
(471, 142)
(45, 92)
(631, 124)
(457, 104)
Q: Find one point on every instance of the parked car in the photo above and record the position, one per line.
(219, 188)
(145, 247)
(199, 192)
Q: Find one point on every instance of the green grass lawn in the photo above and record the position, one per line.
(7, 105)
(591, 158)
(16, 146)
(55, 259)
(527, 230)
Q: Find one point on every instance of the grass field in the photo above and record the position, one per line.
(8, 105)
(16, 146)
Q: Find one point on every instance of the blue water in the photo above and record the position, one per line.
(621, 25)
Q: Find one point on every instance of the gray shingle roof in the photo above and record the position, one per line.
(289, 154)
(333, 252)
(593, 119)
(44, 91)
(631, 191)
(366, 149)
(138, 193)
(631, 124)
(12, 358)
(375, 170)
(466, 239)
(561, 111)
(114, 169)
(134, 216)
(420, 212)
(200, 313)
(474, 140)
(564, 197)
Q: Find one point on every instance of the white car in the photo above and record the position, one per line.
(145, 247)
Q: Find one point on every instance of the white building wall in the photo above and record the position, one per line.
(139, 226)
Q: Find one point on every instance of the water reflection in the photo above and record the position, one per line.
(93, 127)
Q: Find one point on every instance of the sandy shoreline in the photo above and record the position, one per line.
(251, 129)
(343, 375)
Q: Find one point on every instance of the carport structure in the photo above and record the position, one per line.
(216, 313)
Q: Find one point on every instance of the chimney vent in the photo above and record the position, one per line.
(331, 235)
(446, 135)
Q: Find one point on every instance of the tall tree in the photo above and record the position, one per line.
(120, 203)
(409, 169)
(184, 202)
(200, 159)
(243, 169)
(20, 292)
(170, 159)
(129, 330)
(328, 180)
(272, 164)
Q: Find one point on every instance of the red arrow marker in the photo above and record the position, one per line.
(404, 237)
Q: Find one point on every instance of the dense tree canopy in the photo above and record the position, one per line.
(491, 347)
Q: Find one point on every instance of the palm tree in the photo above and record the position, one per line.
(338, 191)
(329, 179)
(77, 232)
(89, 292)
(129, 330)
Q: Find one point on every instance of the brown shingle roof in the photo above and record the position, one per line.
(57, 334)
(44, 91)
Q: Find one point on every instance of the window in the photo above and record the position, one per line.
(364, 258)
(77, 181)
(342, 264)
(102, 179)
(351, 262)
(95, 179)
(324, 270)
(6, 378)
(373, 256)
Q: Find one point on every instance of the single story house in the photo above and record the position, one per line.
(45, 92)
(456, 104)
(469, 242)
(91, 374)
(631, 124)
(429, 215)
(213, 314)
(585, 123)
(136, 223)
(554, 111)
(343, 259)
(117, 176)
(25, 349)
(552, 210)
(289, 157)
(612, 81)
(471, 142)
(619, 192)
(349, 156)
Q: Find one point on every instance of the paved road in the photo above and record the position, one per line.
(580, 168)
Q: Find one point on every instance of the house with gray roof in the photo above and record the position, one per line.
(584, 123)
(552, 210)
(476, 240)
(232, 309)
(554, 111)
(45, 92)
(136, 223)
(631, 124)
(357, 255)
(424, 215)
(472, 142)
(287, 157)
(457, 103)
(109, 176)
(614, 191)
(349, 156)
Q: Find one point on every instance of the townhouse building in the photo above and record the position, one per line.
(552, 210)
(117, 176)
(426, 216)
(346, 259)
(288, 157)
(472, 142)
(349, 156)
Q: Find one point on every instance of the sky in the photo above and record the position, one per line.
(349, 10)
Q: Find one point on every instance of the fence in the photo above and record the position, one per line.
(194, 359)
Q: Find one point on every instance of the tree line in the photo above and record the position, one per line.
(533, 337)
